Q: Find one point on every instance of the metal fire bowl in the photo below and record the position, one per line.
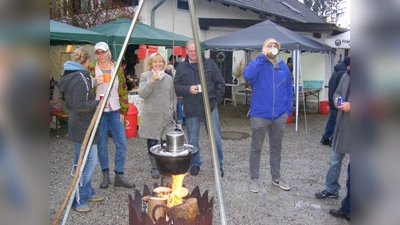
(173, 163)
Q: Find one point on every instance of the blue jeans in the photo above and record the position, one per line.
(179, 112)
(85, 189)
(330, 125)
(111, 121)
(193, 130)
(346, 201)
(335, 166)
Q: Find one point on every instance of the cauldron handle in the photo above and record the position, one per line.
(179, 127)
(167, 211)
(162, 143)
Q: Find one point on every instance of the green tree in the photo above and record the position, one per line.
(90, 13)
(329, 10)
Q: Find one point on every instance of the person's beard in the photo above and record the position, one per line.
(271, 56)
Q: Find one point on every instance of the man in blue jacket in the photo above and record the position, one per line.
(271, 104)
(186, 83)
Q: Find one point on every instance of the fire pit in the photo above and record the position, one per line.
(139, 216)
(173, 204)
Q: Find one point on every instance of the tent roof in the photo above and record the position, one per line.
(252, 38)
(142, 34)
(61, 33)
(339, 41)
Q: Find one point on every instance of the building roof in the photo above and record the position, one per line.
(290, 10)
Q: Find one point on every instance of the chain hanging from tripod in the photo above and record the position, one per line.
(173, 27)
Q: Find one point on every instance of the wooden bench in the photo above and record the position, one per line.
(59, 116)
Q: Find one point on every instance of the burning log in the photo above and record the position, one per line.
(183, 214)
(188, 210)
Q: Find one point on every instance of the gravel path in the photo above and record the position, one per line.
(304, 165)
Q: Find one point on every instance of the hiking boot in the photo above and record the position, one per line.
(96, 198)
(325, 194)
(121, 181)
(281, 184)
(222, 172)
(155, 174)
(83, 209)
(326, 142)
(106, 179)
(254, 186)
(194, 170)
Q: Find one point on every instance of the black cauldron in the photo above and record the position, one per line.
(173, 157)
(173, 163)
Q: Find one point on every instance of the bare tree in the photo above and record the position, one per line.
(90, 13)
(329, 10)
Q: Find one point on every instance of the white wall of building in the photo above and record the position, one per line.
(314, 66)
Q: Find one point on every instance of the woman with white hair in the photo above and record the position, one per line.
(157, 89)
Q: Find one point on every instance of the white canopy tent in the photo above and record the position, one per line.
(339, 41)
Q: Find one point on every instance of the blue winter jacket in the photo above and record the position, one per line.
(272, 91)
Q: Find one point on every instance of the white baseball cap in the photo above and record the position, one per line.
(101, 45)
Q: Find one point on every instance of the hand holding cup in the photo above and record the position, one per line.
(99, 80)
(156, 76)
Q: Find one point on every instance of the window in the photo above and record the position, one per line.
(131, 2)
(183, 4)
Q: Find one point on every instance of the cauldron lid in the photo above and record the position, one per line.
(186, 150)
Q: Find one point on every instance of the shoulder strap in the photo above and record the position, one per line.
(87, 86)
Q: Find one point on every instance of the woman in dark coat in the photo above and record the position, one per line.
(76, 85)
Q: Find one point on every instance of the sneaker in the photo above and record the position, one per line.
(96, 198)
(339, 214)
(281, 184)
(83, 209)
(254, 186)
(194, 170)
(325, 194)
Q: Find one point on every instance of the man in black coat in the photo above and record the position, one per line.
(337, 74)
(187, 85)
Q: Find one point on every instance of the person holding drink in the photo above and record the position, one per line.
(113, 117)
(157, 90)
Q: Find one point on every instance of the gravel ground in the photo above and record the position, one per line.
(304, 165)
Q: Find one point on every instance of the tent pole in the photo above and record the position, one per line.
(296, 68)
(211, 136)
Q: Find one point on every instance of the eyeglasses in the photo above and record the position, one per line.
(100, 53)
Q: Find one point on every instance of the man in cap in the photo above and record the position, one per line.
(271, 104)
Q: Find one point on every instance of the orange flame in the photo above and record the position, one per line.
(175, 196)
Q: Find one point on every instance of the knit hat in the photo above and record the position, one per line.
(271, 40)
(346, 60)
(101, 45)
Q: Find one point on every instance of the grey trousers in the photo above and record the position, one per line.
(275, 128)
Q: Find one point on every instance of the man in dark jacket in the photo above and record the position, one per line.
(187, 82)
(341, 137)
(337, 74)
